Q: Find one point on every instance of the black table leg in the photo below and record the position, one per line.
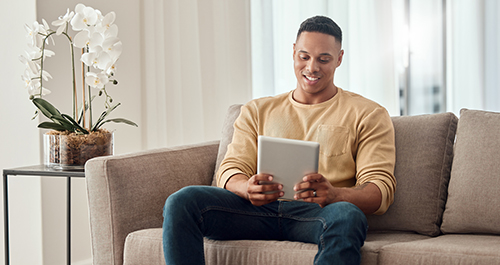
(68, 222)
(6, 219)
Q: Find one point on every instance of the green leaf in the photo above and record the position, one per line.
(103, 116)
(35, 115)
(46, 108)
(75, 124)
(61, 121)
(86, 108)
(119, 120)
(51, 125)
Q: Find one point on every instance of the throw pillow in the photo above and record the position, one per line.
(473, 204)
(424, 152)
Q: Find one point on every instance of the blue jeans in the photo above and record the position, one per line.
(194, 212)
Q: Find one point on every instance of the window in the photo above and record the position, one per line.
(411, 56)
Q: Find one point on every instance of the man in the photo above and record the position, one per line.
(355, 176)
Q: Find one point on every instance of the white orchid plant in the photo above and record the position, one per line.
(97, 37)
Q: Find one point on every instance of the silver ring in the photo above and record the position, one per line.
(314, 193)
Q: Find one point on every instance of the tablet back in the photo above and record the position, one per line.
(287, 160)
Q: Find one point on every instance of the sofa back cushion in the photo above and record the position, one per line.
(227, 135)
(473, 204)
(424, 153)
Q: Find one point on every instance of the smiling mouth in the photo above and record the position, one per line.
(311, 78)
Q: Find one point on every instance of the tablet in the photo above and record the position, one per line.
(287, 160)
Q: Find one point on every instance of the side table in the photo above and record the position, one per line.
(38, 170)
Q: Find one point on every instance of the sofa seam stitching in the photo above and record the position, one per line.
(435, 252)
(110, 211)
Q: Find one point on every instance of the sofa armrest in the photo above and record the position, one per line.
(127, 192)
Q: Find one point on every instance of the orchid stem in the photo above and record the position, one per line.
(83, 91)
(90, 104)
(75, 103)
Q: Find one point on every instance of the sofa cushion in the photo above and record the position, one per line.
(257, 252)
(375, 241)
(227, 135)
(424, 152)
(443, 250)
(145, 247)
(473, 204)
(287, 252)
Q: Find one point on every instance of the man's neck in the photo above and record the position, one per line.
(303, 97)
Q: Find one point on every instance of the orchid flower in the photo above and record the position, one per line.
(33, 85)
(45, 30)
(35, 91)
(46, 75)
(86, 39)
(97, 36)
(107, 22)
(84, 17)
(32, 66)
(98, 59)
(111, 32)
(111, 70)
(96, 80)
(35, 53)
(32, 33)
(113, 47)
(63, 21)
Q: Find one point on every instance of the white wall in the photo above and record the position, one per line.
(19, 142)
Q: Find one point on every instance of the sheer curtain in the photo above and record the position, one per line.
(473, 55)
(369, 66)
(448, 50)
(196, 62)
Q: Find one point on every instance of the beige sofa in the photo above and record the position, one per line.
(441, 214)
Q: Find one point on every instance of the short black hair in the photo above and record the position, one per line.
(323, 25)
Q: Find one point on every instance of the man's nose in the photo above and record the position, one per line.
(312, 66)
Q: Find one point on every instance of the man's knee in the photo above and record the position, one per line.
(182, 199)
(348, 215)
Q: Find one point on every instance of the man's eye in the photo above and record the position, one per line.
(324, 60)
(304, 58)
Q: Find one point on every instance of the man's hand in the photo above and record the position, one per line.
(255, 189)
(317, 189)
(366, 197)
(261, 192)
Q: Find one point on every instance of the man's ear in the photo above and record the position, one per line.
(293, 50)
(341, 56)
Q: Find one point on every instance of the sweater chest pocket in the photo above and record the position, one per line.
(333, 140)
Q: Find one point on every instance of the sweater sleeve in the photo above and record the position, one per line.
(241, 155)
(375, 157)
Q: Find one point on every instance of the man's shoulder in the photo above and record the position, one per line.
(268, 101)
(358, 101)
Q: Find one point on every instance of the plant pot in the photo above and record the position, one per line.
(70, 151)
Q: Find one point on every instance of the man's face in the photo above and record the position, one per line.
(316, 56)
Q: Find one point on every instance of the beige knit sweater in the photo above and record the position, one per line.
(356, 139)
